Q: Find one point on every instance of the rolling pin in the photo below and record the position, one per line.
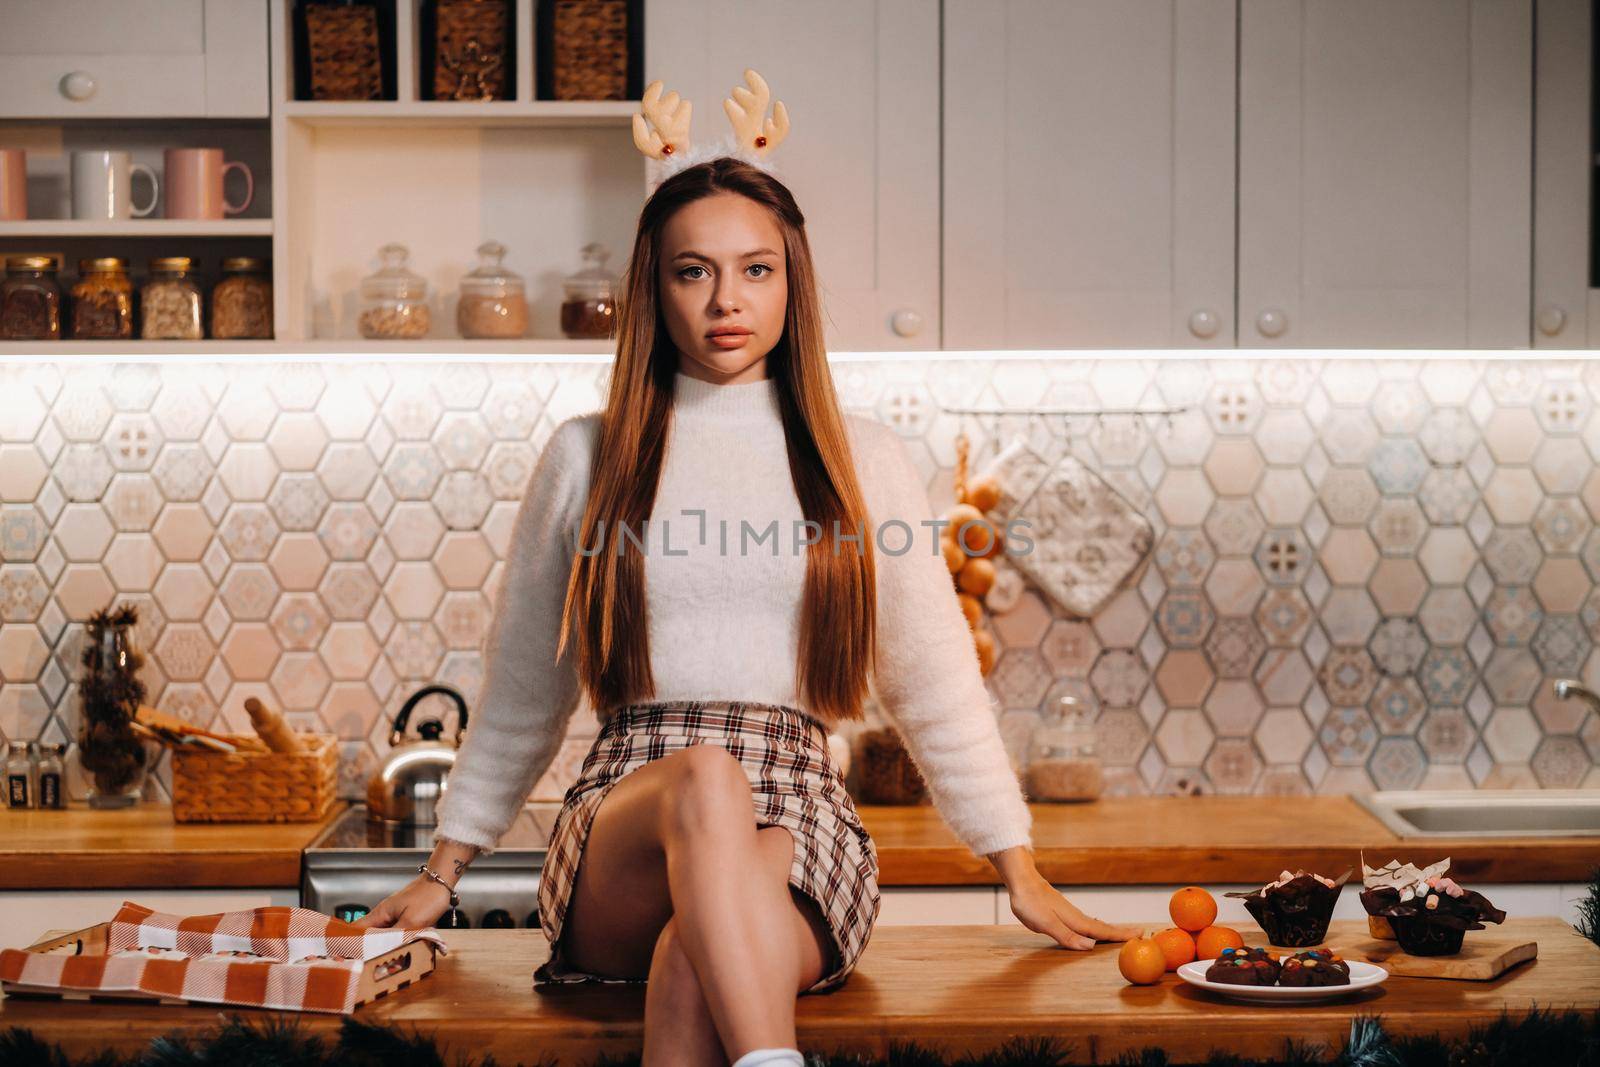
(271, 728)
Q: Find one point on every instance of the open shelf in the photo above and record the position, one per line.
(462, 113)
(448, 350)
(137, 228)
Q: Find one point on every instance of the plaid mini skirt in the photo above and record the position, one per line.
(795, 784)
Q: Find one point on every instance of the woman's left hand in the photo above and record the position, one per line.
(1040, 907)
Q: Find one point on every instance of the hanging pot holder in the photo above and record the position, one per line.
(1088, 539)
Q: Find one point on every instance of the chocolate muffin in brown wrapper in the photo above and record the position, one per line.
(1295, 910)
(1431, 919)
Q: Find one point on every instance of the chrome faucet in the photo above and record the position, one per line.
(1567, 689)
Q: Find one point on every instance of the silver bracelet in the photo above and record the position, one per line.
(455, 901)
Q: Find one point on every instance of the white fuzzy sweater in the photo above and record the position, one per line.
(725, 624)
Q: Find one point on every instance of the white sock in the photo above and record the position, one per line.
(771, 1057)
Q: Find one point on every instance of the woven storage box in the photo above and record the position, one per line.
(256, 785)
(342, 41)
(589, 49)
(459, 21)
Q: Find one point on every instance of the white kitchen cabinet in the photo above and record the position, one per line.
(25, 914)
(112, 59)
(937, 905)
(861, 80)
(1385, 193)
(1566, 310)
(1148, 904)
(1089, 173)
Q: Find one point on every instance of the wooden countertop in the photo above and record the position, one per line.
(986, 985)
(142, 848)
(1115, 841)
(1211, 839)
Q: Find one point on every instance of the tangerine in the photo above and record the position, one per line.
(1177, 945)
(1210, 942)
(1141, 961)
(1192, 909)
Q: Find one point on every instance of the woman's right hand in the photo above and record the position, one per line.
(417, 904)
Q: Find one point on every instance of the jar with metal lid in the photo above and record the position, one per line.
(1062, 762)
(493, 301)
(170, 304)
(590, 309)
(102, 300)
(241, 303)
(30, 300)
(394, 301)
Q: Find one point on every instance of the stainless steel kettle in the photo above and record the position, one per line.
(406, 789)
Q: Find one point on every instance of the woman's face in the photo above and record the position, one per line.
(722, 269)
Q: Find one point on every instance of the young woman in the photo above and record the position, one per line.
(708, 846)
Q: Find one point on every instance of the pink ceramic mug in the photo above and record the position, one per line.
(13, 184)
(194, 184)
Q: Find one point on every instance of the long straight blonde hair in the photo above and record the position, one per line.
(605, 606)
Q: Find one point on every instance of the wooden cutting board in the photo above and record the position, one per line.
(1485, 954)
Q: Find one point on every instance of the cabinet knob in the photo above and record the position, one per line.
(1272, 322)
(906, 323)
(79, 85)
(1550, 320)
(1204, 323)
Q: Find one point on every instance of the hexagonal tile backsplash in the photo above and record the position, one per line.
(1366, 572)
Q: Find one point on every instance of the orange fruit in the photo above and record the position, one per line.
(1141, 961)
(954, 558)
(1192, 909)
(1210, 942)
(1177, 945)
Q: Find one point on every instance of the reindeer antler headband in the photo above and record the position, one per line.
(661, 129)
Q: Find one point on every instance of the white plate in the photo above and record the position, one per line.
(1362, 976)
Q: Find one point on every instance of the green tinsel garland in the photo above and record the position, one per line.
(1539, 1039)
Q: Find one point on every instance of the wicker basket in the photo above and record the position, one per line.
(589, 49)
(487, 22)
(342, 43)
(256, 785)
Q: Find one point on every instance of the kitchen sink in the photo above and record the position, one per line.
(1487, 812)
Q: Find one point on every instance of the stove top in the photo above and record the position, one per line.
(351, 832)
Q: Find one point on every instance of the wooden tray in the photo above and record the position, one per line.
(1485, 955)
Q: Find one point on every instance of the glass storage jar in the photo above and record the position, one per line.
(101, 300)
(170, 304)
(1062, 763)
(394, 301)
(590, 309)
(493, 301)
(30, 300)
(241, 303)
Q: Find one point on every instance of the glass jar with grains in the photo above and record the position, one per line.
(30, 300)
(590, 309)
(394, 301)
(1062, 763)
(170, 303)
(102, 300)
(241, 303)
(493, 302)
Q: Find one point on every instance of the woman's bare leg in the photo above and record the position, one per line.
(675, 839)
(678, 1028)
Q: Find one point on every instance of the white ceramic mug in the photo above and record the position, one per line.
(102, 186)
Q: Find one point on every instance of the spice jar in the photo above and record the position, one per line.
(589, 310)
(170, 303)
(493, 301)
(1062, 764)
(102, 300)
(241, 303)
(30, 300)
(393, 299)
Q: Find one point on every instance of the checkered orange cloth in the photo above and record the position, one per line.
(275, 957)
